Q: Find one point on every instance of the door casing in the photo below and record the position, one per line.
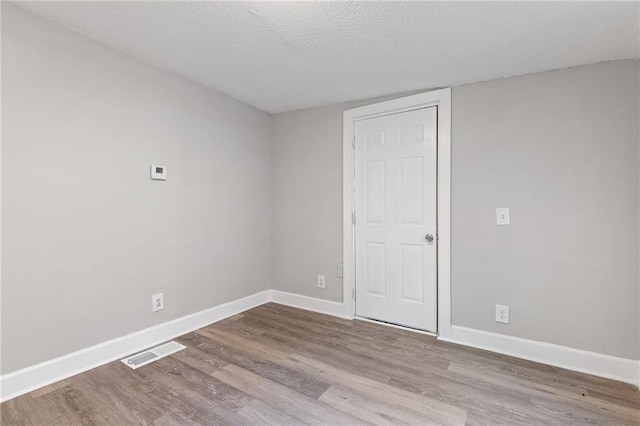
(442, 99)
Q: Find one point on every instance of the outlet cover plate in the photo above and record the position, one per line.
(321, 281)
(502, 314)
(157, 302)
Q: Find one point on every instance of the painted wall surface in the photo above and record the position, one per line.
(307, 201)
(559, 148)
(87, 236)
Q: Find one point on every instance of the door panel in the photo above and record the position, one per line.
(395, 208)
(376, 278)
(411, 191)
(412, 273)
(375, 183)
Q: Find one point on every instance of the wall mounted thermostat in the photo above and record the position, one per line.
(158, 172)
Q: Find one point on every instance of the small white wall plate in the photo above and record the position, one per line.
(503, 217)
(158, 172)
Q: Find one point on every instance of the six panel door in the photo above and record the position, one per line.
(395, 188)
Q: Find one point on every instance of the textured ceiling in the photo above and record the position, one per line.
(281, 56)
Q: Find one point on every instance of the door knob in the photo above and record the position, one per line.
(429, 237)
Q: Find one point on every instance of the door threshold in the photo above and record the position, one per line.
(401, 327)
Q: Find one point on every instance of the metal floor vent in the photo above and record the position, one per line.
(153, 354)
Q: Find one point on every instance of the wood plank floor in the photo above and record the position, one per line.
(283, 366)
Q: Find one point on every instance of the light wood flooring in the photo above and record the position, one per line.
(283, 366)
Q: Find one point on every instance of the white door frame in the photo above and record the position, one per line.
(442, 99)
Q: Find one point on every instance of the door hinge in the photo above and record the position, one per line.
(354, 293)
(353, 218)
(353, 142)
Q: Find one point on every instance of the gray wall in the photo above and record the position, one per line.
(87, 236)
(559, 148)
(307, 201)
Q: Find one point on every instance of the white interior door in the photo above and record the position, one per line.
(395, 231)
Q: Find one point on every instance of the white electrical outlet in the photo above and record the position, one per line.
(502, 314)
(321, 282)
(157, 302)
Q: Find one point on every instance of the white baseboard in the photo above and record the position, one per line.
(611, 367)
(39, 375)
(322, 306)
